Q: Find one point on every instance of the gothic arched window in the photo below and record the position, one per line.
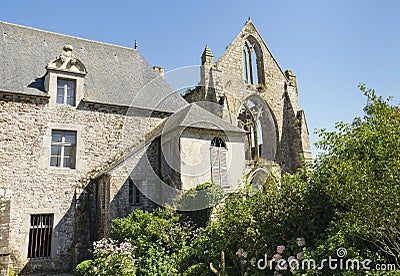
(218, 162)
(249, 120)
(250, 73)
(257, 120)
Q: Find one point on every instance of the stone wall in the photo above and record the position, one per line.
(5, 200)
(25, 135)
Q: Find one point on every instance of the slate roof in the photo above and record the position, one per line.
(195, 116)
(115, 75)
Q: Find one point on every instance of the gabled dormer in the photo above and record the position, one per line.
(64, 80)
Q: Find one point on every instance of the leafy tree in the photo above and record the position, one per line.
(360, 172)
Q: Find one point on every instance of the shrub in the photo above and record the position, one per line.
(84, 268)
(161, 237)
(109, 258)
(207, 194)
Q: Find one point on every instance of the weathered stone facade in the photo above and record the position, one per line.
(39, 188)
(84, 198)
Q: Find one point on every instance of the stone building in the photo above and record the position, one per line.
(90, 131)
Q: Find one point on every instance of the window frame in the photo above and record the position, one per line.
(63, 145)
(135, 195)
(65, 91)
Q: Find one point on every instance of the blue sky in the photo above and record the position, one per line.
(330, 45)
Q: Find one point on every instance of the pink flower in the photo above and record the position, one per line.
(301, 241)
(276, 257)
(299, 255)
(280, 249)
(293, 262)
(239, 252)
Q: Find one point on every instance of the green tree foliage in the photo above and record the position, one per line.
(360, 172)
(207, 194)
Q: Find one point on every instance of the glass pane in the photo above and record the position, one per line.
(60, 98)
(56, 136)
(67, 162)
(71, 84)
(55, 150)
(71, 95)
(71, 92)
(60, 91)
(137, 196)
(67, 152)
(71, 101)
(70, 138)
(61, 83)
(55, 161)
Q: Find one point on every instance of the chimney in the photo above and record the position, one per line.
(159, 70)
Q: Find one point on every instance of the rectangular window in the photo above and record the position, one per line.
(63, 149)
(135, 196)
(40, 233)
(66, 92)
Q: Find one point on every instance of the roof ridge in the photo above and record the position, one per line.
(66, 35)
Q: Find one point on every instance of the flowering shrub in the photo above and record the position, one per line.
(282, 262)
(110, 258)
(277, 214)
(162, 239)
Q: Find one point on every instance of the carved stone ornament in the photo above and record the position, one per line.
(67, 62)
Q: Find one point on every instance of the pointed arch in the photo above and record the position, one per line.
(253, 65)
(257, 119)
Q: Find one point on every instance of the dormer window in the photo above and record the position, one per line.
(66, 91)
(65, 78)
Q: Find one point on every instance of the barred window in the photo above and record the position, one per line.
(135, 196)
(63, 149)
(66, 91)
(40, 233)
